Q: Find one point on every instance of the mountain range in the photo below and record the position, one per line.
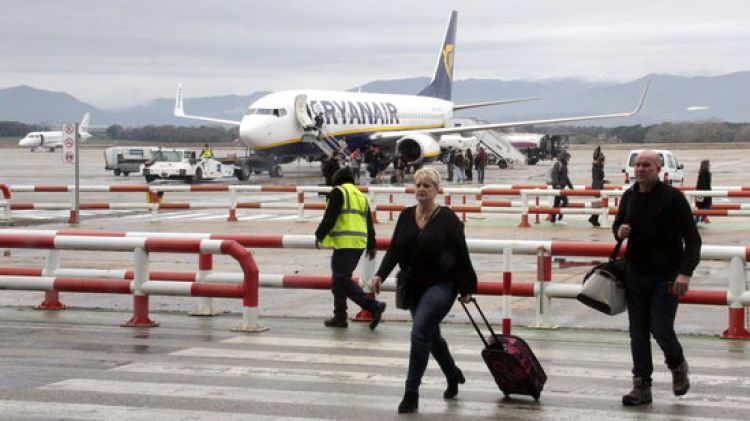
(671, 99)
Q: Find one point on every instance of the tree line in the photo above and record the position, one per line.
(700, 132)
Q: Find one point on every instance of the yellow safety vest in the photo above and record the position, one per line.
(207, 153)
(350, 230)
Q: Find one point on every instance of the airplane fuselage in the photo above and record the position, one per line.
(47, 140)
(272, 126)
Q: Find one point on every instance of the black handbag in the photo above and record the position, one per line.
(604, 286)
(402, 290)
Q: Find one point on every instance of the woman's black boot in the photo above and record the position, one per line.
(409, 403)
(452, 390)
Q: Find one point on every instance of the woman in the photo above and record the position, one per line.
(597, 183)
(429, 245)
(704, 183)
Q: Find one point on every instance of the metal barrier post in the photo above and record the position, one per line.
(605, 211)
(543, 301)
(140, 300)
(73, 219)
(205, 305)
(232, 206)
(507, 293)
(301, 201)
(737, 286)
(525, 211)
(51, 298)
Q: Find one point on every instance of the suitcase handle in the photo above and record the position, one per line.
(479, 332)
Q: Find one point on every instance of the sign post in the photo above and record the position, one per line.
(70, 156)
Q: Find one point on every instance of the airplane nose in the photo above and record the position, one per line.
(252, 131)
(26, 142)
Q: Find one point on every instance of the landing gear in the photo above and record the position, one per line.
(243, 173)
(276, 171)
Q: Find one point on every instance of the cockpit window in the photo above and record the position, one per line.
(278, 112)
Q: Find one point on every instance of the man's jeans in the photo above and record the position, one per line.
(426, 315)
(652, 310)
(343, 263)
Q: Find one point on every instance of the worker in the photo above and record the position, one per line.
(207, 152)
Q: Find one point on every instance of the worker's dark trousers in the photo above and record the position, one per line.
(343, 263)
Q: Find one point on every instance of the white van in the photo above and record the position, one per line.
(670, 167)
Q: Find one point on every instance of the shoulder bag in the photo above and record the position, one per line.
(604, 286)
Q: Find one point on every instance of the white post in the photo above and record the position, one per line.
(140, 271)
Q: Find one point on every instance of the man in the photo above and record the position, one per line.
(207, 152)
(330, 167)
(663, 250)
(449, 156)
(347, 228)
(481, 163)
(560, 180)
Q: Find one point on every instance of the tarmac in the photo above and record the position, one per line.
(79, 364)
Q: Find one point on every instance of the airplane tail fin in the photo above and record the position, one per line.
(179, 107)
(442, 81)
(83, 129)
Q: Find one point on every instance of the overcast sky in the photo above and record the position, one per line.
(117, 53)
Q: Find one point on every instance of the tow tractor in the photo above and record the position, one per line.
(183, 164)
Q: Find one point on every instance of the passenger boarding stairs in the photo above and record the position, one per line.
(326, 144)
(494, 141)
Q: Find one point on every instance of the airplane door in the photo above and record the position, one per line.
(300, 110)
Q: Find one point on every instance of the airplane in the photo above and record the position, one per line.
(52, 140)
(279, 127)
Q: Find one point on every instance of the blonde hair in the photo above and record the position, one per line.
(430, 173)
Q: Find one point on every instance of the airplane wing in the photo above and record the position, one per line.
(179, 111)
(481, 127)
(499, 102)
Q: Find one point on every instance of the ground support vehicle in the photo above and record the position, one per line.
(123, 160)
(181, 164)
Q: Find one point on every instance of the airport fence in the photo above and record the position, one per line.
(139, 282)
(736, 296)
(463, 200)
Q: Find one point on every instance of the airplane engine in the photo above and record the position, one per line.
(418, 148)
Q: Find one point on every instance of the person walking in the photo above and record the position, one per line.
(663, 250)
(355, 160)
(399, 168)
(347, 229)
(703, 183)
(449, 156)
(330, 167)
(481, 163)
(469, 160)
(560, 180)
(597, 183)
(429, 245)
(458, 160)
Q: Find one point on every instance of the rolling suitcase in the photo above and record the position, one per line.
(511, 361)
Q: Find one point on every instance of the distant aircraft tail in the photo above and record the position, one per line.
(84, 127)
(441, 83)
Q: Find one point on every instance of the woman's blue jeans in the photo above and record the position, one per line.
(427, 313)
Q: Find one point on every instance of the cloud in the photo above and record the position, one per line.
(121, 51)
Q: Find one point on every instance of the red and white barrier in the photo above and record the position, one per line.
(526, 192)
(141, 286)
(736, 297)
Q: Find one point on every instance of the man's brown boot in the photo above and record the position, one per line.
(640, 395)
(680, 380)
